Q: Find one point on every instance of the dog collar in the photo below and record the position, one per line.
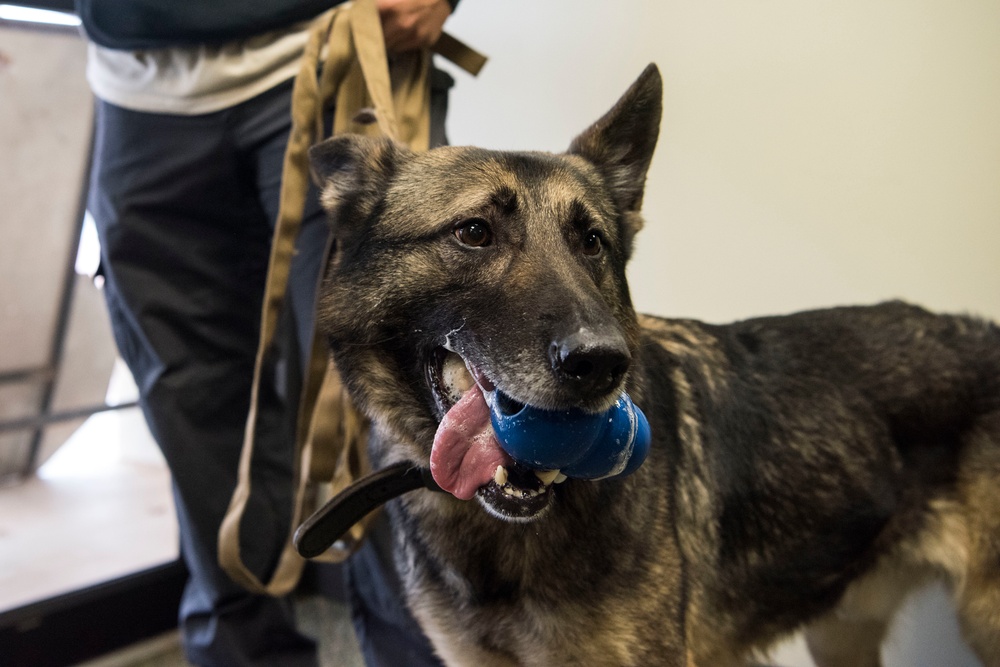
(330, 522)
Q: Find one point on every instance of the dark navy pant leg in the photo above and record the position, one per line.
(185, 207)
(185, 244)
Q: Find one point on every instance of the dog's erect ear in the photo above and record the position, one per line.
(621, 143)
(353, 173)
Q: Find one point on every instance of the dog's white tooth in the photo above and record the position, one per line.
(500, 476)
(546, 476)
(559, 478)
(509, 490)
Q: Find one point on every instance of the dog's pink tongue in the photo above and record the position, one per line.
(466, 453)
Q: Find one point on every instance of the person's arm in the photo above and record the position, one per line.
(413, 24)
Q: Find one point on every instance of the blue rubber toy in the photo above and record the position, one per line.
(581, 445)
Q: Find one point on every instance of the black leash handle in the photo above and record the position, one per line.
(329, 523)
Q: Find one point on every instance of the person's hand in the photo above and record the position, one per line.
(412, 24)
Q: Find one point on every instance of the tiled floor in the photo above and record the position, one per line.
(101, 508)
(325, 620)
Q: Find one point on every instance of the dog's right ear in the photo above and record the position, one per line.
(353, 173)
(621, 143)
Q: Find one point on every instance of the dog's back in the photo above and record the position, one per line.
(836, 457)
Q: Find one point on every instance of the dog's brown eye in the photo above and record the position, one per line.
(475, 232)
(592, 243)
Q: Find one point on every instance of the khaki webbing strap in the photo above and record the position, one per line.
(366, 29)
(305, 96)
(307, 109)
(330, 434)
(459, 53)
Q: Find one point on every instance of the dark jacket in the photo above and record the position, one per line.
(150, 24)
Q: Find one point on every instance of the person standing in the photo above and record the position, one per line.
(192, 119)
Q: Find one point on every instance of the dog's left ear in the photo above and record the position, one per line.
(621, 143)
(353, 173)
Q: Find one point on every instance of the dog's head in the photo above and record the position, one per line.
(459, 272)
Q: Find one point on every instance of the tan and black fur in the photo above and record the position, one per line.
(807, 471)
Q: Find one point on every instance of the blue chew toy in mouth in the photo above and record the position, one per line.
(581, 445)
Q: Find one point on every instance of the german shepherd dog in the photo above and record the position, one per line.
(806, 471)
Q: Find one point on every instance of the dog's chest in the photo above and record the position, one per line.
(520, 604)
(527, 634)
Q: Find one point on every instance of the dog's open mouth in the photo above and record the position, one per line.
(467, 460)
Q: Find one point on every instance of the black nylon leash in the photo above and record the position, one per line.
(330, 522)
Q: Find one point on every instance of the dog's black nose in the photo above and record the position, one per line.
(592, 363)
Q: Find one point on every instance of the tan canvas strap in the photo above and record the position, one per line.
(459, 53)
(305, 102)
(329, 434)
